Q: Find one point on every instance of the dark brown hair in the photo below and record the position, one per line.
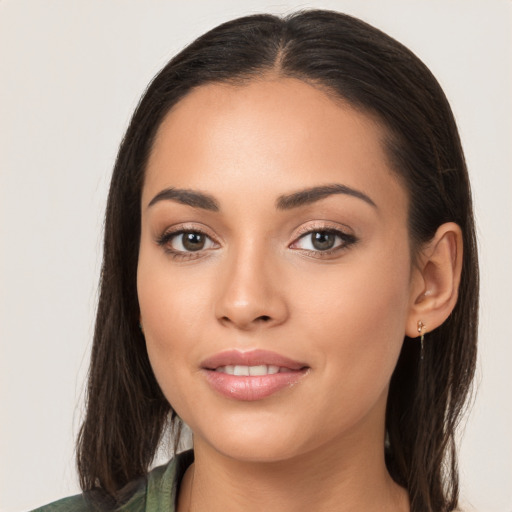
(126, 410)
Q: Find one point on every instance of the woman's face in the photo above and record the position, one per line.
(274, 239)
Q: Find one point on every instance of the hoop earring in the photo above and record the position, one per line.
(421, 326)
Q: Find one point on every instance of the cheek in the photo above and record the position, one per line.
(357, 318)
(173, 313)
(172, 301)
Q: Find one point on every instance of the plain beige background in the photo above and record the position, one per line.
(71, 75)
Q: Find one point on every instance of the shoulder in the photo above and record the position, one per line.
(154, 493)
(73, 503)
(86, 503)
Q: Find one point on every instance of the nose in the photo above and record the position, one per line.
(251, 295)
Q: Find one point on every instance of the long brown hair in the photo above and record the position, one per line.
(126, 410)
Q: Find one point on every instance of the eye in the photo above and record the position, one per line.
(323, 241)
(186, 241)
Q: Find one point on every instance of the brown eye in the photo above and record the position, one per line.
(186, 241)
(193, 241)
(323, 240)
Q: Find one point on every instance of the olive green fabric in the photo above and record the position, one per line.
(157, 493)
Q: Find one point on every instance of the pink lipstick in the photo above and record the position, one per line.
(251, 375)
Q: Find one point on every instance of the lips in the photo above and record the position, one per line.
(251, 358)
(251, 375)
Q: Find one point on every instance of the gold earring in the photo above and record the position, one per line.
(421, 326)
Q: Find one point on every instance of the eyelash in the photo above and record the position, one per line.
(167, 236)
(346, 241)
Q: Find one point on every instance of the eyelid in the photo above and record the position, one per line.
(324, 226)
(186, 227)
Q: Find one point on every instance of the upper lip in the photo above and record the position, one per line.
(250, 358)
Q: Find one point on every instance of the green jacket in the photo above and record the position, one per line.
(156, 493)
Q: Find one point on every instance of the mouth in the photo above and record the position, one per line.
(252, 375)
(261, 369)
(254, 360)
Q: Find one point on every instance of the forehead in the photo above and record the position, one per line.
(285, 132)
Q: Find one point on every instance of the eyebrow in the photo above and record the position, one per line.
(304, 197)
(187, 197)
(311, 195)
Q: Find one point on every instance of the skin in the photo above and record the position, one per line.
(259, 283)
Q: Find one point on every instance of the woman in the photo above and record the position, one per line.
(289, 268)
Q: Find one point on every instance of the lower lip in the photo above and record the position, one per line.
(251, 388)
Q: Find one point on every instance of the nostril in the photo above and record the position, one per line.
(245, 323)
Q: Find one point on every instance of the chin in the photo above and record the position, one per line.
(255, 439)
(258, 450)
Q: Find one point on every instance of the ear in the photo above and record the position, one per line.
(435, 280)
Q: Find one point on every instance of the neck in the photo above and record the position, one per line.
(349, 477)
